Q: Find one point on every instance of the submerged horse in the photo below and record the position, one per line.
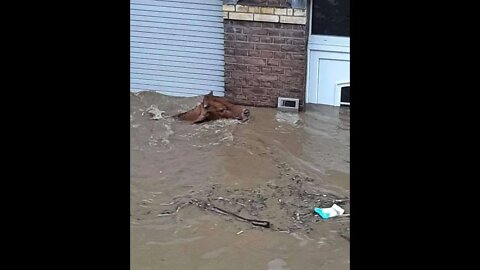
(212, 108)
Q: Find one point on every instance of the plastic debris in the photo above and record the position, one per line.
(333, 211)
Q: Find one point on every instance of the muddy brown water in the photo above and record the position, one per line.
(276, 167)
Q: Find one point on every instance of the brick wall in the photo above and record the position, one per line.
(264, 3)
(264, 60)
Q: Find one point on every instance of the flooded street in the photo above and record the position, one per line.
(276, 167)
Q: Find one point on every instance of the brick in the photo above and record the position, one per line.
(254, 61)
(227, 44)
(267, 84)
(258, 90)
(228, 7)
(279, 55)
(299, 12)
(240, 16)
(238, 30)
(297, 27)
(225, 15)
(295, 88)
(255, 31)
(298, 42)
(247, 92)
(241, 67)
(243, 45)
(273, 62)
(229, 51)
(237, 97)
(279, 40)
(298, 34)
(253, 39)
(274, 32)
(241, 37)
(292, 56)
(240, 75)
(241, 82)
(241, 52)
(277, 70)
(278, 84)
(295, 72)
(289, 12)
(229, 81)
(266, 18)
(288, 79)
(266, 39)
(253, 82)
(232, 59)
(290, 19)
(266, 54)
(267, 77)
(249, 24)
(293, 48)
(228, 29)
(253, 69)
(291, 79)
(254, 53)
(292, 63)
(276, 25)
(240, 8)
(253, 9)
(266, 10)
(268, 47)
(229, 37)
(280, 11)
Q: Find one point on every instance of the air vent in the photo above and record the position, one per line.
(288, 104)
(342, 94)
(345, 96)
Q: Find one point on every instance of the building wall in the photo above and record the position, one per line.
(265, 3)
(265, 53)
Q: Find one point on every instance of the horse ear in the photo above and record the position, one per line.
(210, 94)
(205, 100)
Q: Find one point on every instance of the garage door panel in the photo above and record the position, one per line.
(177, 46)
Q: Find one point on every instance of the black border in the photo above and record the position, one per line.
(67, 200)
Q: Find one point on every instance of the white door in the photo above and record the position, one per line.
(328, 51)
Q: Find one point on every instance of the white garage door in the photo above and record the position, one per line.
(177, 46)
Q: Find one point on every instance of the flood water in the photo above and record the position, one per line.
(276, 167)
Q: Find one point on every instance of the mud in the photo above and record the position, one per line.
(276, 167)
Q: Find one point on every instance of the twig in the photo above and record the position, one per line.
(255, 222)
(174, 213)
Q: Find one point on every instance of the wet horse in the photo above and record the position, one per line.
(212, 108)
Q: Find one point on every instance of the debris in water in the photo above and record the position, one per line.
(333, 211)
(155, 112)
(239, 232)
(210, 207)
(174, 213)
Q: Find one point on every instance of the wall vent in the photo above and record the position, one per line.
(288, 104)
